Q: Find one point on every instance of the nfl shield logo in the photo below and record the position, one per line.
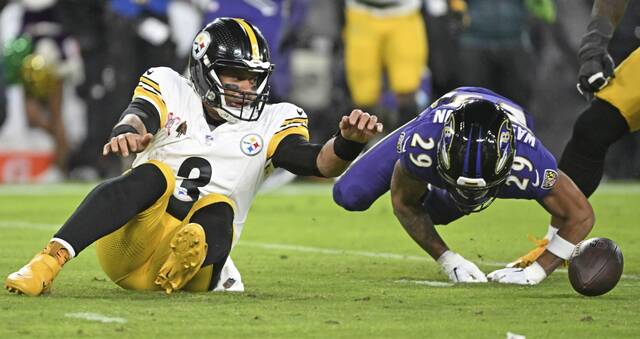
(200, 44)
(251, 144)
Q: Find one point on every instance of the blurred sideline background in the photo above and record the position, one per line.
(69, 67)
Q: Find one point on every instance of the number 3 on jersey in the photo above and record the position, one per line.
(191, 186)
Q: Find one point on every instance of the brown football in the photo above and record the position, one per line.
(597, 267)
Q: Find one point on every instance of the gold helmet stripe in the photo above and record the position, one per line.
(251, 34)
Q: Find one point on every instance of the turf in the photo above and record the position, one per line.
(314, 270)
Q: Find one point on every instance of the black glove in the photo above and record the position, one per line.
(596, 65)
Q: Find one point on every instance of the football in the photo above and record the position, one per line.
(596, 268)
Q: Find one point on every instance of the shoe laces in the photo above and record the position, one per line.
(538, 242)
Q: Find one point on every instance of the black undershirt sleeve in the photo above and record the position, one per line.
(146, 112)
(297, 155)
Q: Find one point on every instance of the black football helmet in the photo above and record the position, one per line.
(231, 44)
(475, 153)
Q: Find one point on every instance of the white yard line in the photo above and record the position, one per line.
(299, 248)
(426, 283)
(331, 251)
(96, 317)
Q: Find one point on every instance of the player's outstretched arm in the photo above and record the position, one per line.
(128, 136)
(355, 131)
(572, 214)
(406, 198)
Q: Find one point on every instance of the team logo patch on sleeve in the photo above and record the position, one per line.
(550, 178)
(251, 144)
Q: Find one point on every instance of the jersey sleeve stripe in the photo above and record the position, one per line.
(155, 100)
(292, 125)
(294, 120)
(149, 88)
(150, 82)
(297, 121)
(278, 136)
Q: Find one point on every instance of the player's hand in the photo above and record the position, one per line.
(459, 269)
(596, 65)
(359, 126)
(530, 275)
(126, 143)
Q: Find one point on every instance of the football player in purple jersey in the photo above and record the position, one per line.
(468, 148)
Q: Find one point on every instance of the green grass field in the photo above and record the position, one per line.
(314, 270)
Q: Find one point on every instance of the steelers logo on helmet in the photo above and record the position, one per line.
(201, 44)
(251, 144)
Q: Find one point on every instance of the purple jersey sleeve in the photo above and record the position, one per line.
(417, 147)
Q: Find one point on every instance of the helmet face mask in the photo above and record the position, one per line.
(475, 153)
(226, 53)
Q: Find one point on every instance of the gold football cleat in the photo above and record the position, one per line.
(188, 250)
(532, 256)
(37, 276)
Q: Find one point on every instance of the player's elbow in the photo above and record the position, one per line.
(350, 198)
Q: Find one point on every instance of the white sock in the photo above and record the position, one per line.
(65, 244)
(551, 231)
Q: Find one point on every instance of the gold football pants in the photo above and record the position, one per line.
(623, 91)
(132, 256)
(397, 44)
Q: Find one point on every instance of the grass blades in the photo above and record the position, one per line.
(312, 269)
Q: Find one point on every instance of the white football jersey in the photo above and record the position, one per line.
(231, 159)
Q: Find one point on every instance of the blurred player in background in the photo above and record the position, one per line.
(277, 20)
(498, 38)
(468, 148)
(613, 113)
(42, 59)
(204, 145)
(385, 37)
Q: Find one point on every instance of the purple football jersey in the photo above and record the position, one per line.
(533, 174)
(534, 170)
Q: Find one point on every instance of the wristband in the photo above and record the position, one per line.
(445, 257)
(561, 247)
(535, 272)
(122, 129)
(346, 150)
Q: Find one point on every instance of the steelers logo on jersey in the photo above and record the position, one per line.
(251, 144)
(200, 44)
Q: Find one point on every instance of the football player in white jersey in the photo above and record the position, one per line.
(203, 146)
